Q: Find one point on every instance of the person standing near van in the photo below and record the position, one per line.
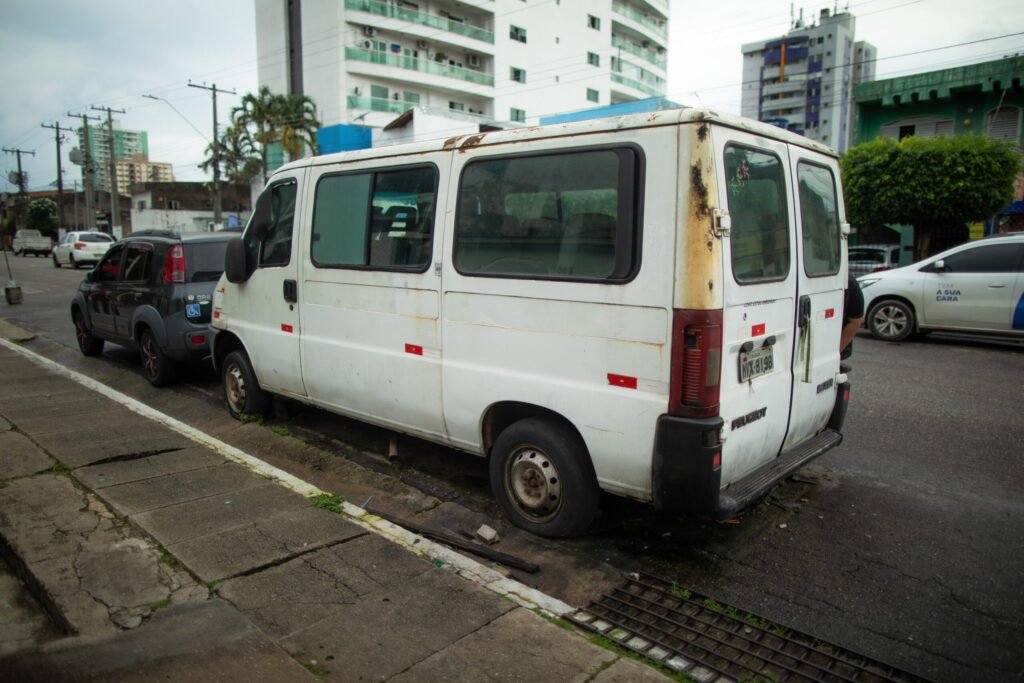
(853, 317)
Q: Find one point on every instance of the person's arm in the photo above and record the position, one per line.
(850, 331)
(853, 314)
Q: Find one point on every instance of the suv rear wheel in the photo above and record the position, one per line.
(156, 366)
(241, 390)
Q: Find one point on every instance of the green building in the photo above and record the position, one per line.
(128, 145)
(980, 99)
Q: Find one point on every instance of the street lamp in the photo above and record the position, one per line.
(168, 103)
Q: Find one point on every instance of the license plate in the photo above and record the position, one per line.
(756, 363)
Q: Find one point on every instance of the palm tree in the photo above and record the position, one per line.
(254, 118)
(238, 159)
(296, 124)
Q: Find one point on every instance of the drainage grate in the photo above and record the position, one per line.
(710, 642)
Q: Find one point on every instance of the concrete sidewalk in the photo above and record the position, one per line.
(159, 554)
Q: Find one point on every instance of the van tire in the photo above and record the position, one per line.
(242, 391)
(542, 478)
(891, 320)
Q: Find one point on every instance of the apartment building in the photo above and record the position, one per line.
(131, 157)
(803, 81)
(498, 62)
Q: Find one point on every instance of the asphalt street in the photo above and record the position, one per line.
(904, 543)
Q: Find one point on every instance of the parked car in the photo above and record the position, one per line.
(975, 287)
(152, 290)
(31, 242)
(81, 247)
(872, 258)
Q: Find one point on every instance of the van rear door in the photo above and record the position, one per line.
(760, 283)
(821, 279)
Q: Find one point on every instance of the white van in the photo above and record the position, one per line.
(647, 305)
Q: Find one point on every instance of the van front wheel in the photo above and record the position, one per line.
(542, 478)
(241, 390)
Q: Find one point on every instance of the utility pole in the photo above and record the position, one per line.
(114, 199)
(60, 174)
(216, 150)
(19, 204)
(87, 172)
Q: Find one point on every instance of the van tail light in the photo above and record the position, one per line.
(79, 245)
(174, 265)
(696, 363)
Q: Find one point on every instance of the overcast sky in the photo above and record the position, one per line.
(61, 56)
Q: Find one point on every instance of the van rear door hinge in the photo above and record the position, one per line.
(722, 222)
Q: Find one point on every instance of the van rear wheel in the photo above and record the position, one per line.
(542, 478)
(241, 390)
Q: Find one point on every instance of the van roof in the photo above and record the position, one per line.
(643, 120)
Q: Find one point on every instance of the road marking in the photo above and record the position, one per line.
(491, 579)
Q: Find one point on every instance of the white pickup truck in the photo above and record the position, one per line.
(31, 242)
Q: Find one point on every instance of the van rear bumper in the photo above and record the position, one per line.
(685, 479)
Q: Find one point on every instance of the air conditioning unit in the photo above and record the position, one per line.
(367, 44)
(422, 44)
(473, 60)
(369, 31)
(396, 96)
(356, 91)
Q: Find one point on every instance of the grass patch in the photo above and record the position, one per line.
(680, 592)
(247, 418)
(281, 431)
(557, 621)
(612, 646)
(166, 602)
(327, 501)
(59, 468)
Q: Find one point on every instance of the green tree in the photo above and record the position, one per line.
(239, 162)
(296, 123)
(937, 185)
(42, 216)
(265, 118)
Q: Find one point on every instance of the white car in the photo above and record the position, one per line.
(78, 248)
(975, 287)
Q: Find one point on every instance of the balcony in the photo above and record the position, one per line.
(648, 55)
(651, 90)
(421, 65)
(656, 24)
(383, 9)
(377, 104)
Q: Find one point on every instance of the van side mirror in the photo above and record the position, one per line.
(236, 267)
(260, 217)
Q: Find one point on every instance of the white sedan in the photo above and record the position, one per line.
(78, 248)
(975, 287)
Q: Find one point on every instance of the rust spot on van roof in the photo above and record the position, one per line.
(471, 141)
(700, 190)
(702, 132)
(450, 142)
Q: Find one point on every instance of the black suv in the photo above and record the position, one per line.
(152, 290)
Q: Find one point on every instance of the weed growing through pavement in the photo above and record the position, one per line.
(612, 646)
(680, 592)
(281, 431)
(166, 602)
(247, 418)
(59, 468)
(327, 501)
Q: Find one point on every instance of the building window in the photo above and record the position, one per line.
(516, 33)
(412, 98)
(456, 106)
(593, 22)
(516, 74)
(518, 115)
(593, 59)
(593, 95)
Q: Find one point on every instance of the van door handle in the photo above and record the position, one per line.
(805, 312)
(997, 285)
(291, 291)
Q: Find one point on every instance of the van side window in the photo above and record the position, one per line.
(568, 216)
(819, 218)
(756, 194)
(380, 220)
(276, 245)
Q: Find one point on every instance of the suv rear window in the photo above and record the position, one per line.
(93, 237)
(204, 261)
